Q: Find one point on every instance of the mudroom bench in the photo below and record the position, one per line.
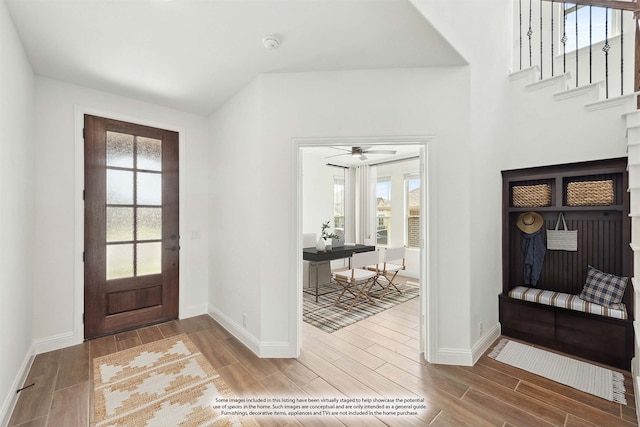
(549, 311)
(597, 337)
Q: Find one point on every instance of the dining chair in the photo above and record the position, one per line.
(358, 279)
(386, 271)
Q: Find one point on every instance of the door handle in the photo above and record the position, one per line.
(172, 248)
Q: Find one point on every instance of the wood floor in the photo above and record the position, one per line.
(378, 356)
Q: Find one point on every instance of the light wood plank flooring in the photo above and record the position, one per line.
(378, 356)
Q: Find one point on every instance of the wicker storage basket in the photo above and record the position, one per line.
(531, 196)
(590, 193)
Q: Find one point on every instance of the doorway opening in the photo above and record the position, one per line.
(383, 231)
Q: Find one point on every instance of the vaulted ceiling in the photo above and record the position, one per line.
(193, 55)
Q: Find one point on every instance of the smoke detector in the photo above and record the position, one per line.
(271, 42)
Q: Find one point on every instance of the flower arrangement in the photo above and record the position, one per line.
(324, 234)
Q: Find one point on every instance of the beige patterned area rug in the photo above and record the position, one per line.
(163, 383)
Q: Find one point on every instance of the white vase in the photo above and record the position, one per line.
(328, 244)
(320, 246)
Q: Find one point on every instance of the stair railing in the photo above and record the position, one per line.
(583, 38)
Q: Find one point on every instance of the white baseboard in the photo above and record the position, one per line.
(12, 397)
(485, 342)
(194, 310)
(467, 357)
(261, 349)
(55, 342)
(280, 350)
(454, 356)
(68, 339)
(235, 329)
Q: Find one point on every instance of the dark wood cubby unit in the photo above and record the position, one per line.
(604, 236)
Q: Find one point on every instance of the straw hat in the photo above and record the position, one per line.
(529, 222)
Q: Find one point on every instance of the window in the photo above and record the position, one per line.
(412, 188)
(585, 14)
(338, 204)
(383, 210)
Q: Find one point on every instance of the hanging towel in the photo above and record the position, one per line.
(533, 248)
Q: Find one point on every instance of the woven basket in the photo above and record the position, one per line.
(530, 196)
(590, 193)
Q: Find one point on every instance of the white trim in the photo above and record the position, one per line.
(295, 249)
(249, 341)
(559, 80)
(625, 101)
(54, 342)
(428, 264)
(194, 310)
(428, 150)
(278, 350)
(632, 120)
(78, 278)
(529, 73)
(485, 342)
(592, 91)
(468, 357)
(10, 401)
(454, 356)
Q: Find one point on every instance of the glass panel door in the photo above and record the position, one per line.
(132, 240)
(134, 205)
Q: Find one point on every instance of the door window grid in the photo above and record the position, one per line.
(412, 188)
(383, 210)
(338, 204)
(134, 205)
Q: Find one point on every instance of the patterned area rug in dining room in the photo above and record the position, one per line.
(163, 383)
(329, 318)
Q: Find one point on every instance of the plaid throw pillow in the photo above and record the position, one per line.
(602, 288)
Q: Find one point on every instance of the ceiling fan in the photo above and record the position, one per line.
(360, 152)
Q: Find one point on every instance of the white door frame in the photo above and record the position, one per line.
(428, 174)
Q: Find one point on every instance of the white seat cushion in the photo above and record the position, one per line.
(571, 302)
(392, 267)
(358, 275)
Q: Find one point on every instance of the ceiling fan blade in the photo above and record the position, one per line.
(380, 151)
(338, 155)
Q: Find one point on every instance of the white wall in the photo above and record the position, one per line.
(480, 30)
(371, 103)
(332, 104)
(549, 131)
(317, 192)
(318, 198)
(57, 259)
(16, 213)
(237, 216)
